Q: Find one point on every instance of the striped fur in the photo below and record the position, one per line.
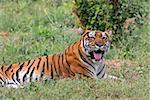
(84, 57)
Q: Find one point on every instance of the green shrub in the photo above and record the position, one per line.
(111, 14)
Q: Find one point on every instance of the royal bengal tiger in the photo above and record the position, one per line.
(84, 57)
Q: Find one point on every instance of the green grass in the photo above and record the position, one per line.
(38, 27)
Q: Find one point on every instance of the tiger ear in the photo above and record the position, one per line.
(79, 31)
(109, 32)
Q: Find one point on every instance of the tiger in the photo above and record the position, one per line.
(85, 57)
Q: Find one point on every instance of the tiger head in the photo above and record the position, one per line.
(95, 44)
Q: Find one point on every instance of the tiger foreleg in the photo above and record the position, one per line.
(111, 77)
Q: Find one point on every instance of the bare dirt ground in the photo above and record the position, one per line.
(117, 63)
(4, 34)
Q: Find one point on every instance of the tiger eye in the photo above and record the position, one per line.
(104, 38)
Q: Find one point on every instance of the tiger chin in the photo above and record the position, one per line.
(85, 57)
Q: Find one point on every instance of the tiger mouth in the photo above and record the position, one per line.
(97, 55)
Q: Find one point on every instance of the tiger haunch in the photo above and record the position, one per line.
(84, 57)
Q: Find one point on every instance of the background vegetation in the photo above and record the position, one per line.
(111, 14)
(30, 28)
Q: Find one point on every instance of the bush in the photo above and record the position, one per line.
(121, 16)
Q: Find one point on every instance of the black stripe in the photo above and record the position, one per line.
(9, 67)
(42, 73)
(51, 72)
(85, 59)
(17, 72)
(103, 75)
(28, 71)
(28, 62)
(13, 78)
(31, 74)
(87, 70)
(68, 63)
(47, 63)
(60, 73)
(100, 70)
(17, 76)
(2, 80)
(83, 75)
(53, 63)
(38, 63)
(83, 44)
(2, 68)
(63, 63)
(10, 83)
(21, 66)
(73, 46)
(11, 70)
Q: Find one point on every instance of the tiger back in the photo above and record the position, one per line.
(84, 57)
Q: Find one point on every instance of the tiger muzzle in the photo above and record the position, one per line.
(97, 55)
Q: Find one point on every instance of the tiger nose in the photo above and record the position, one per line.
(99, 44)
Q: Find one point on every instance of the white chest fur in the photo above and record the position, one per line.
(99, 68)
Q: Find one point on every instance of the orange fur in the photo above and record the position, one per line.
(73, 61)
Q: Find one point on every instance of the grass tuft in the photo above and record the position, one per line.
(38, 27)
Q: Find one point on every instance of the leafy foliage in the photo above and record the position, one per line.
(110, 14)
